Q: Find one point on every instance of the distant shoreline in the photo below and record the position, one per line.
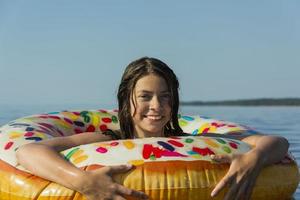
(246, 102)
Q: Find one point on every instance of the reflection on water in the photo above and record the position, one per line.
(283, 121)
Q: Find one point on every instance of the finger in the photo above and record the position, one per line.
(222, 183)
(119, 169)
(241, 191)
(231, 193)
(221, 158)
(126, 191)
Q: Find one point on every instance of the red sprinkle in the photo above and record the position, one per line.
(233, 145)
(147, 150)
(43, 117)
(217, 124)
(91, 128)
(29, 134)
(77, 130)
(204, 151)
(175, 143)
(114, 143)
(54, 117)
(101, 150)
(106, 120)
(8, 145)
(68, 120)
(231, 125)
(172, 154)
(205, 130)
(60, 132)
(103, 127)
(76, 113)
(157, 152)
(43, 129)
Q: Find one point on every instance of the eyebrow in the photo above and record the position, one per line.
(146, 91)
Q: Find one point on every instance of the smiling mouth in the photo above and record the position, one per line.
(154, 117)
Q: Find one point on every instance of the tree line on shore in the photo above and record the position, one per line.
(247, 102)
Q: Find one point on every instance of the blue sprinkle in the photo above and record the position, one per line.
(188, 118)
(78, 123)
(192, 152)
(34, 138)
(195, 132)
(53, 113)
(166, 145)
(204, 117)
(252, 131)
(29, 129)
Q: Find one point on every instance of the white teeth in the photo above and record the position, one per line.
(154, 117)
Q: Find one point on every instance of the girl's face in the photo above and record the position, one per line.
(152, 110)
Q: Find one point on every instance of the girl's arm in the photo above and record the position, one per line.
(245, 168)
(46, 162)
(270, 149)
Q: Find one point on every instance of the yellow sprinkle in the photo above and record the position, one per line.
(128, 144)
(77, 154)
(80, 159)
(95, 120)
(70, 115)
(182, 123)
(136, 162)
(196, 156)
(234, 129)
(14, 135)
(205, 126)
(210, 142)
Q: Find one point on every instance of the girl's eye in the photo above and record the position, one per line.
(165, 96)
(145, 97)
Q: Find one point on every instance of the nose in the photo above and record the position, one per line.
(155, 103)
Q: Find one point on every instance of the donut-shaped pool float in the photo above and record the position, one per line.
(173, 168)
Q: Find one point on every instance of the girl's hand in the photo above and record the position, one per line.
(241, 176)
(99, 185)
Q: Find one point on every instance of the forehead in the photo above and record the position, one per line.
(151, 83)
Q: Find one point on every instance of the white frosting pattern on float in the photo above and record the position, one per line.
(55, 124)
(138, 151)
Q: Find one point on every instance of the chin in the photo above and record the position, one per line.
(153, 133)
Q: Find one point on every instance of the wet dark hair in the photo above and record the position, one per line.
(133, 72)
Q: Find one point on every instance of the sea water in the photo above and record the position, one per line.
(283, 121)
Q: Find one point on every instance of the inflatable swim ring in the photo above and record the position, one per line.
(175, 168)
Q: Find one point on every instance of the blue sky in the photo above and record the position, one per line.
(74, 52)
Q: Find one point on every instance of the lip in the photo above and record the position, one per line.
(154, 117)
